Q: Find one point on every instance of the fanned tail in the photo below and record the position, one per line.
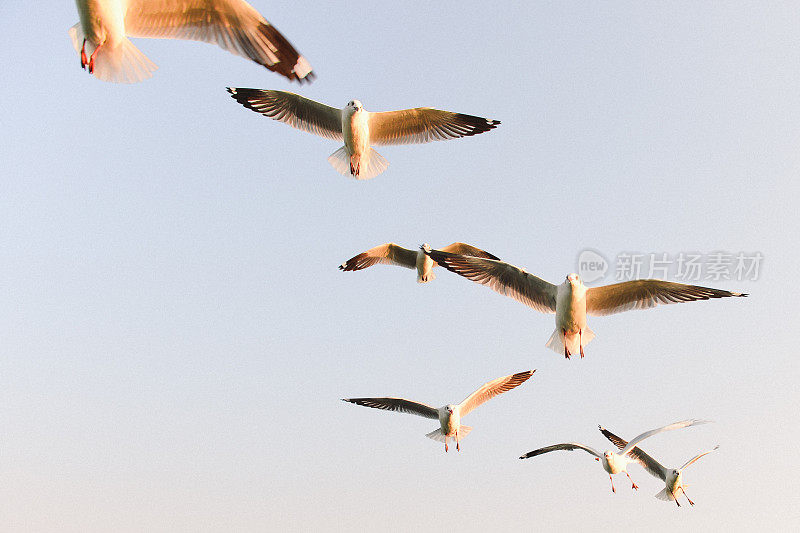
(556, 341)
(437, 435)
(668, 496)
(371, 164)
(123, 63)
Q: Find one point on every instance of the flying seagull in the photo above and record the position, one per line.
(450, 415)
(359, 128)
(392, 254)
(572, 300)
(614, 462)
(101, 36)
(673, 478)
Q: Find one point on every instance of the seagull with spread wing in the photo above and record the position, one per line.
(359, 128)
(392, 254)
(450, 415)
(101, 36)
(672, 477)
(572, 301)
(614, 462)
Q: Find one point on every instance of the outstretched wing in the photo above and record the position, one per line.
(696, 457)
(648, 463)
(399, 405)
(676, 425)
(424, 124)
(501, 277)
(234, 25)
(460, 248)
(569, 446)
(492, 389)
(292, 109)
(644, 294)
(388, 253)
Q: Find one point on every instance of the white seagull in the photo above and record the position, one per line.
(450, 415)
(614, 462)
(359, 128)
(673, 478)
(572, 301)
(101, 36)
(392, 254)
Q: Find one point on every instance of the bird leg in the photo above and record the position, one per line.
(566, 350)
(634, 486)
(445, 444)
(676, 500)
(84, 59)
(687, 497)
(457, 446)
(612, 484)
(580, 341)
(91, 58)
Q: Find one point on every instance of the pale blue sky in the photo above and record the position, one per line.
(176, 336)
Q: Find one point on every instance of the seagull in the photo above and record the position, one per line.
(673, 478)
(614, 462)
(572, 300)
(392, 254)
(234, 25)
(359, 128)
(450, 415)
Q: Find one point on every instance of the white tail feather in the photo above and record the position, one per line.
(340, 160)
(665, 495)
(437, 435)
(372, 163)
(123, 63)
(556, 341)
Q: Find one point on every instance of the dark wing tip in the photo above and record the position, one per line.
(288, 58)
(475, 124)
(492, 256)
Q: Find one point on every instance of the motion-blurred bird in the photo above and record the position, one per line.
(572, 301)
(450, 415)
(392, 254)
(101, 36)
(358, 128)
(673, 478)
(614, 462)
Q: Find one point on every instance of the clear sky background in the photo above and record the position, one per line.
(175, 335)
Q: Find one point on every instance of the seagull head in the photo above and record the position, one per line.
(573, 279)
(425, 247)
(449, 408)
(355, 105)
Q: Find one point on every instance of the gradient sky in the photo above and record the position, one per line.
(176, 337)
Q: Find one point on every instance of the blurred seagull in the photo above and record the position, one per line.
(392, 254)
(234, 25)
(673, 478)
(613, 462)
(359, 128)
(450, 415)
(572, 301)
